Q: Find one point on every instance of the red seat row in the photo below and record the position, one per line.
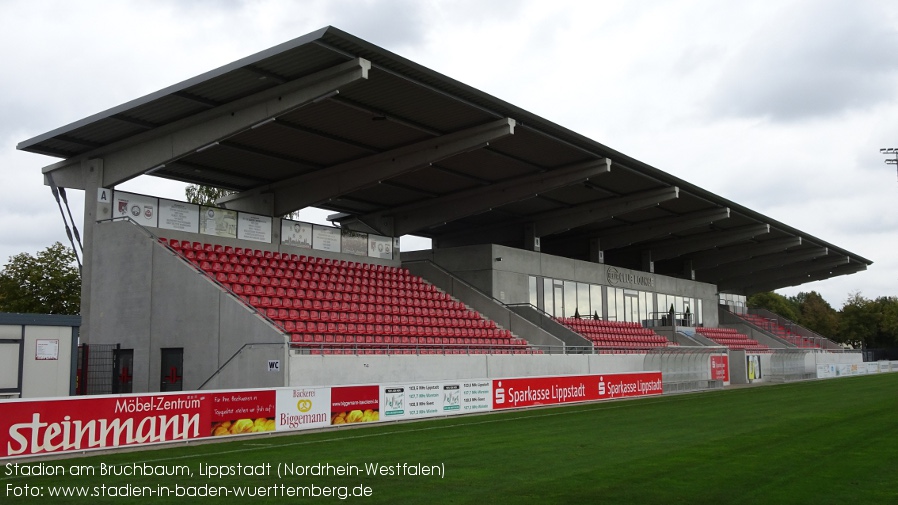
(326, 302)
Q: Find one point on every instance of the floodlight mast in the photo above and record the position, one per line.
(894, 152)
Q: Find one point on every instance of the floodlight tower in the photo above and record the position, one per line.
(892, 151)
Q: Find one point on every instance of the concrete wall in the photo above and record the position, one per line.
(507, 280)
(146, 298)
(307, 370)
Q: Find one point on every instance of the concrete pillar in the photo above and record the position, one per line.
(97, 206)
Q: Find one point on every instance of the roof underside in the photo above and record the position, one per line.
(399, 149)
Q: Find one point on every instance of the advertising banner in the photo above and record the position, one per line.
(303, 408)
(355, 404)
(72, 424)
(35, 427)
(720, 368)
(142, 209)
(426, 399)
(239, 412)
(533, 391)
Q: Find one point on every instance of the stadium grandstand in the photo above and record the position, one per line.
(551, 253)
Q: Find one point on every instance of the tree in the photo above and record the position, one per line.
(859, 321)
(204, 195)
(48, 283)
(817, 315)
(208, 195)
(776, 303)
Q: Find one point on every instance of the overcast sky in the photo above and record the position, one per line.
(780, 106)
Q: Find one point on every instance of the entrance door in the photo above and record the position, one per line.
(631, 307)
(123, 371)
(172, 371)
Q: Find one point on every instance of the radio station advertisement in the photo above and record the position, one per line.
(143, 210)
(180, 216)
(474, 396)
(535, 391)
(241, 412)
(426, 399)
(303, 408)
(355, 404)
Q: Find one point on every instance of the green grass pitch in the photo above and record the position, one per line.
(819, 442)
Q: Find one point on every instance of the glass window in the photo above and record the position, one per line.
(548, 300)
(570, 298)
(534, 296)
(583, 299)
(558, 288)
(595, 300)
(619, 304)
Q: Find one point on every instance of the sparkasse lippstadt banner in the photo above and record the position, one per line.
(533, 391)
(35, 427)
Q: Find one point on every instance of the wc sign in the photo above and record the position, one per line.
(274, 365)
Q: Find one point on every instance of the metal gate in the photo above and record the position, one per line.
(96, 369)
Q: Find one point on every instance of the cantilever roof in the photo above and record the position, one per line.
(397, 148)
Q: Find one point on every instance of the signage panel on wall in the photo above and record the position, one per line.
(180, 216)
(296, 234)
(46, 349)
(218, 222)
(325, 238)
(380, 247)
(354, 242)
(254, 227)
(141, 209)
(720, 368)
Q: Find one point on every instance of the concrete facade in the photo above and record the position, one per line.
(503, 273)
(145, 298)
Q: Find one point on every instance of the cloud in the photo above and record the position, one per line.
(812, 60)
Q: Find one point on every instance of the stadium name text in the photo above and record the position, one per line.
(615, 276)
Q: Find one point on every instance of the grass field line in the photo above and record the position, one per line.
(528, 414)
